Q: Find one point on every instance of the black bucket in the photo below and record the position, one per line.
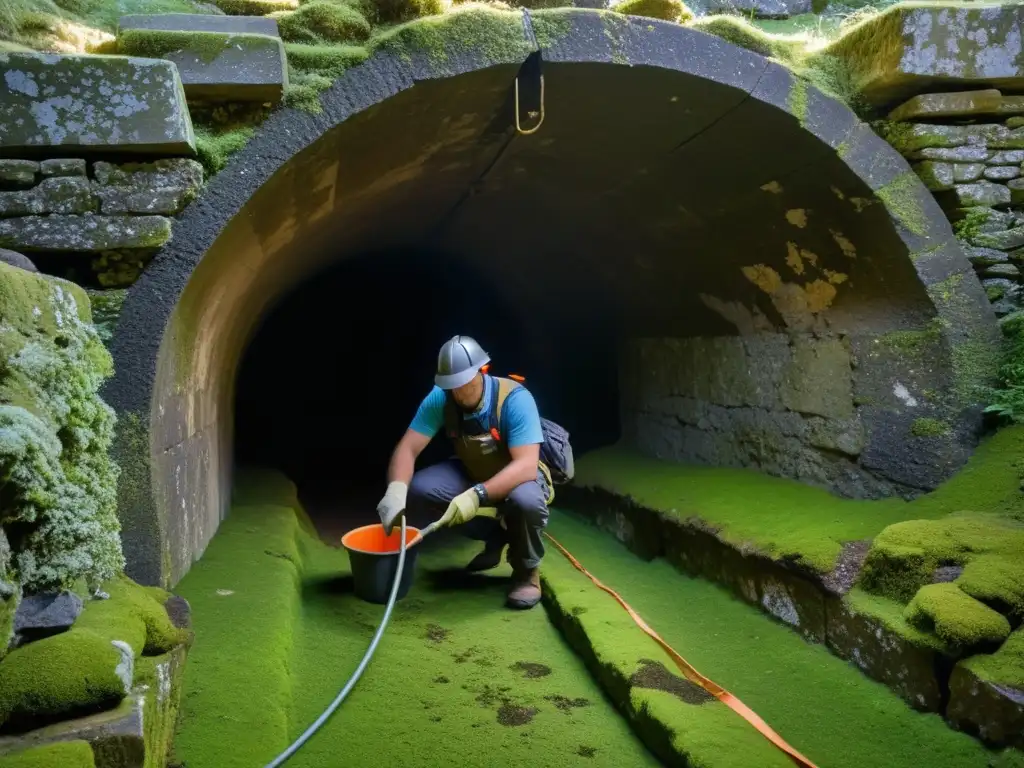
(374, 559)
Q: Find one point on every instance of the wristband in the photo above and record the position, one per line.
(481, 493)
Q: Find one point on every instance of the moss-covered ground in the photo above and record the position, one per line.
(65, 754)
(456, 680)
(820, 705)
(786, 519)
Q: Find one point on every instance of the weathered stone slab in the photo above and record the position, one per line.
(1006, 240)
(1006, 271)
(965, 154)
(1016, 187)
(164, 187)
(959, 104)
(216, 66)
(761, 9)
(1000, 173)
(61, 166)
(885, 656)
(201, 22)
(93, 104)
(1007, 157)
(929, 48)
(1015, 122)
(84, 233)
(914, 138)
(985, 257)
(941, 176)
(60, 194)
(991, 711)
(983, 193)
(18, 174)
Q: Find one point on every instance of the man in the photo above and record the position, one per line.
(497, 434)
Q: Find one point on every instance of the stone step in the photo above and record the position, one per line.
(92, 234)
(216, 66)
(200, 22)
(62, 104)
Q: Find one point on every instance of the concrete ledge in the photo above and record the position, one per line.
(815, 606)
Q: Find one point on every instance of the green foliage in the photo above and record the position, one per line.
(926, 427)
(667, 10)
(60, 509)
(970, 225)
(216, 144)
(956, 618)
(322, 21)
(1007, 400)
(65, 754)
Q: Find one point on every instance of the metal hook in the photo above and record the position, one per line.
(519, 127)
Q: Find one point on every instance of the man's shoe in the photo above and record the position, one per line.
(525, 592)
(489, 558)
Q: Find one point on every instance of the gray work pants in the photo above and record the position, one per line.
(524, 510)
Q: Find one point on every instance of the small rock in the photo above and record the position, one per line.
(938, 177)
(125, 668)
(62, 166)
(46, 614)
(998, 288)
(1006, 240)
(967, 172)
(1016, 187)
(179, 612)
(960, 104)
(18, 174)
(1008, 271)
(981, 193)
(972, 154)
(19, 260)
(1015, 122)
(61, 194)
(946, 573)
(1002, 172)
(1004, 307)
(1007, 157)
(1016, 256)
(985, 257)
(163, 187)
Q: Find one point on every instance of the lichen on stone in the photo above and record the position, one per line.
(899, 198)
(60, 512)
(928, 427)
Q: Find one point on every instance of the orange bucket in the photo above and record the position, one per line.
(374, 558)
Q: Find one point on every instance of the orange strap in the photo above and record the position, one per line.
(692, 674)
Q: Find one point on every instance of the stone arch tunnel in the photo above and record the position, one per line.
(696, 253)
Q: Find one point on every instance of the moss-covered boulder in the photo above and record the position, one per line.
(669, 10)
(956, 617)
(132, 104)
(91, 667)
(323, 21)
(912, 48)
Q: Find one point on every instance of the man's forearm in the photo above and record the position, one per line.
(402, 465)
(516, 473)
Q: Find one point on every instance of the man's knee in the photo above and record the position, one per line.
(527, 500)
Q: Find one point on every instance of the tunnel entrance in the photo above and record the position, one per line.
(697, 254)
(336, 370)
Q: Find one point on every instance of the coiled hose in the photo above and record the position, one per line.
(297, 744)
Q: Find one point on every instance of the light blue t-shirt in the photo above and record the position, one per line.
(520, 419)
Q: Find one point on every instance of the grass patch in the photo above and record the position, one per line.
(65, 754)
(216, 144)
(323, 21)
(447, 678)
(801, 690)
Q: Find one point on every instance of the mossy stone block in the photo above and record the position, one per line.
(990, 710)
(163, 187)
(61, 194)
(111, 104)
(215, 66)
(83, 233)
(910, 49)
(18, 174)
(927, 106)
(201, 22)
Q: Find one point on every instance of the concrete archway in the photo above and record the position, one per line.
(727, 216)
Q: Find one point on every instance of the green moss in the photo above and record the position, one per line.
(956, 617)
(798, 100)
(106, 307)
(313, 68)
(899, 197)
(496, 35)
(868, 47)
(215, 145)
(551, 26)
(292, 609)
(913, 344)
(794, 686)
(970, 225)
(65, 754)
(926, 427)
(207, 46)
(1007, 399)
(740, 32)
(256, 7)
(667, 10)
(1005, 666)
(400, 11)
(890, 614)
(322, 21)
(136, 615)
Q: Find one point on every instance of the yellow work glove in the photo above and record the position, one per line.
(462, 509)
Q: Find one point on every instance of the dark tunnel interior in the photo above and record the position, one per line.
(333, 376)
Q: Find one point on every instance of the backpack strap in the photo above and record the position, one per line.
(504, 389)
(499, 390)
